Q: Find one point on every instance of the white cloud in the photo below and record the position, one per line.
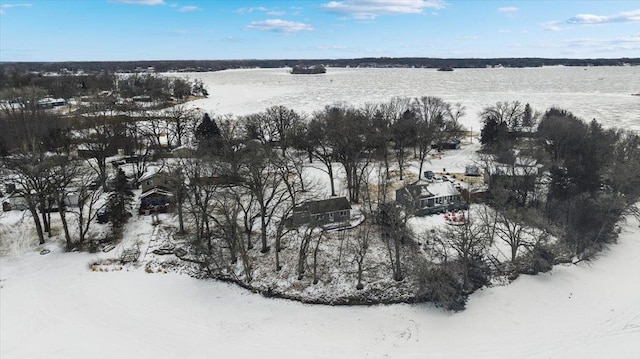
(552, 26)
(508, 9)
(266, 10)
(370, 9)
(467, 38)
(8, 6)
(628, 42)
(277, 25)
(332, 47)
(189, 8)
(140, 2)
(590, 19)
(618, 47)
(244, 10)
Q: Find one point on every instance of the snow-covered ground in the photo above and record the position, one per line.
(52, 306)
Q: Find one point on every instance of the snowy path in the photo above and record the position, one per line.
(53, 307)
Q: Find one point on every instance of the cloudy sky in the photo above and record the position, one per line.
(82, 30)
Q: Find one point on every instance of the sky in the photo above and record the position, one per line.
(121, 30)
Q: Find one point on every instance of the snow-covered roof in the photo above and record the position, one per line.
(151, 172)
(426, 189)
(156, 190)
(442, 189)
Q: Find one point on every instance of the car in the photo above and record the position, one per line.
(429, 174)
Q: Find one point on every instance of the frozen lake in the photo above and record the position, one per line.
(603, 93)
(53, 307)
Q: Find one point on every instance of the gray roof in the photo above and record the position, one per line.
(325, 205)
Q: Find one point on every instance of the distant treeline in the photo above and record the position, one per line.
(216, 65)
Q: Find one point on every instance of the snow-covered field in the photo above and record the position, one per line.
(52, 306)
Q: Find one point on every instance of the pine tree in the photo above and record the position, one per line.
(208, 134)
(489, 132)
(528, 121)
(119, 199)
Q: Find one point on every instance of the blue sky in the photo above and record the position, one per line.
(84, 30)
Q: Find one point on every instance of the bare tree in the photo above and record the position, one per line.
(437, 122)
(202, 188)
(176, 182)
(102, 133)
(23, 119)
(262, 179)
(62, 176)
(512, 228)
(226, 213)
(88, 201)
(142, 147)
(348, 134)
(396, 234)
(317, 134)
(468, 240)
(509, 113)
(29, 172)
(181, 122)
(400, 123)
(360, 247)
(403, 132)
(316, 251)
(305, 235)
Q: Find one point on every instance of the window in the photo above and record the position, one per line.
(149, 182)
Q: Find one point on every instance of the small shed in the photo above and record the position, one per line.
(472, 170)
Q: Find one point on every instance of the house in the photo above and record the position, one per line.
(155, 200)
(450, 144)
(218, 180)
(511, 176)
(156, 196)
(48, 102)
(151, 180)
(426, 197)
(322, 212)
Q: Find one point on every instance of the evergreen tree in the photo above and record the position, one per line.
(489, 132)
(119, 199)
(528, 121)
(208, 134)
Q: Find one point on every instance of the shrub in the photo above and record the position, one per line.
(539, 260)
(444, 288)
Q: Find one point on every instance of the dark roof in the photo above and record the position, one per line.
(326, 205)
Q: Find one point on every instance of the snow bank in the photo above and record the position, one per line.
(52, 307)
